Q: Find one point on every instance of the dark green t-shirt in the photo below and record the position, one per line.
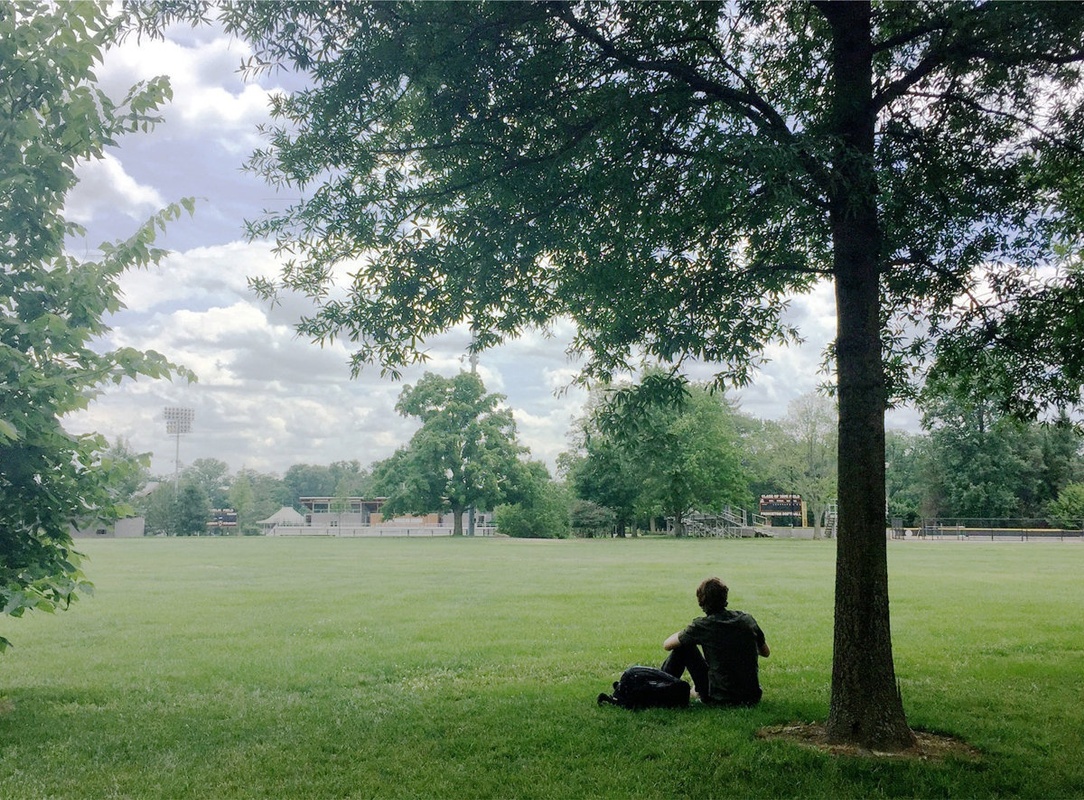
(731, 641)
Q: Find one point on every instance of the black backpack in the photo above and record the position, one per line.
(647, 687)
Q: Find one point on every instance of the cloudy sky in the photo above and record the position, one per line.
(267, 399)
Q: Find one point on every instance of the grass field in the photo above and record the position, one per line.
(334, 668)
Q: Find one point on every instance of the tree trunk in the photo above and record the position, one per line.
(866, 708)
(457, 522)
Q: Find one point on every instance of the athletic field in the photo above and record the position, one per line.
(438, 668)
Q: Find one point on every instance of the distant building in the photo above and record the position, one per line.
(342, 511)
(358, 516)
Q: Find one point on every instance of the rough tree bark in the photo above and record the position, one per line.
(866, 707)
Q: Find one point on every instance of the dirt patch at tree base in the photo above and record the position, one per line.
(928, 746)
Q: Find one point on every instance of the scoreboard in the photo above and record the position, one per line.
(777, 506)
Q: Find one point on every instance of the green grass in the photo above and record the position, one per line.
(327, 668)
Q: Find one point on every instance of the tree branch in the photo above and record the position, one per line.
(747, 104)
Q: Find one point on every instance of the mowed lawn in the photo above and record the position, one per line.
(439, 668)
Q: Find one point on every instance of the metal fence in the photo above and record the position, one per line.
(1021, 528)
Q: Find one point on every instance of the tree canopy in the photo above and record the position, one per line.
(538, 508)
(807, 456)
(666, 176)
(985, 463)
(465, 455)
(52, 305)
(660, 461)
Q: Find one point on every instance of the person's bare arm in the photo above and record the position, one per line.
(672, 642)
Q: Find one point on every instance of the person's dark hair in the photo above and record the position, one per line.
(711, 595)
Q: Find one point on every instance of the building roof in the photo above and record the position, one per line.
(284, 516)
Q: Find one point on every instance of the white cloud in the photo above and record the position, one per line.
(211, 100)
(199, 277)
(103, 184)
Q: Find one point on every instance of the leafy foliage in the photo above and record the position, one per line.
(541, 510)
(132, 471)
(590, 519)
(602, 473)
(464, 455)
(807, 461)
(984, 462)
(255, 496)
(1067, 511)
(907, 461)
(53, 306)
(192, 511)
(211, 475)
(652, 459)
(341, 478)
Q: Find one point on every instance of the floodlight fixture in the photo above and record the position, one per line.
(178, 420)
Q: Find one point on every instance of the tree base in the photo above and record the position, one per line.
(927, 746)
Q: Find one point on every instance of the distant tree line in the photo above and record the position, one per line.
(644, 469)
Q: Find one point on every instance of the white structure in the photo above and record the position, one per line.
(286, 518)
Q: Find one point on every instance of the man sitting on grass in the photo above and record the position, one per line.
(726, 672)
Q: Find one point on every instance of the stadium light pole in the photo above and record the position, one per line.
(178, 421)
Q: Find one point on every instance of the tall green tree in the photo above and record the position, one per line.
(192, 510)
(212, 475)
(906, 463)
(340, 478)
(182, 510)
(666, 175)
(982, 466)
(242, 499)
(1067, 510)
(659, 460)
(688, 458)
(256, 496)
(985, 462)
(351, 479)
(465, 455)
(133, 470)
(537, 509)
(600, 470)
(604, 473)
(309, 480)
(52, 305)
(158, 507)
(808, 458)
(591, 520)
(760, 441)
